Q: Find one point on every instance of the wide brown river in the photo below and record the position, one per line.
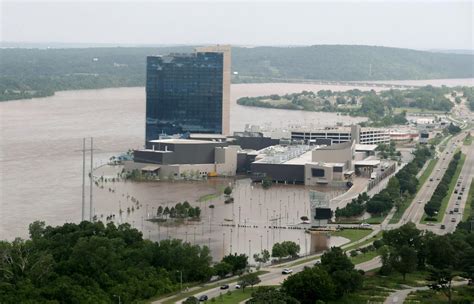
(41, 165)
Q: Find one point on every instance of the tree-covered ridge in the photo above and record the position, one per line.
(27, 73)
(93, 263)
(349, 62)
(381, 107)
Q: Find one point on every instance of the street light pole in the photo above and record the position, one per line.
(180, 280)
(116, 296)
(223, 244)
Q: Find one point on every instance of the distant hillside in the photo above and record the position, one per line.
(26, 73)
(347, 62)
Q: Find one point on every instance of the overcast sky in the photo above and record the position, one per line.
(408, 24)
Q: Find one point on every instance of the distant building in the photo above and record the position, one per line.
(338, 135)
(424, 137)
(177, 158)
(188, 93)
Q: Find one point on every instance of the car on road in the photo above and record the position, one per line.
(225, 286)
(365, 225)
(420, 202)
(456, 191)
(287, 271)
(453, 220)
(438, 178)
(451, 211)
(237, 286)
(443, 227)
(456, 209)
(431, 179)
(459, 197)
(203, 298)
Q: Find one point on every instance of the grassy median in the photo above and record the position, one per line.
(468, 211)
(452, 185)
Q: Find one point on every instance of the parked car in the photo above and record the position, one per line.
(287, 271)
(225, 286)
(237, 286)
(443, 227)
(203, 298)
(365, 225)
(453, 220)
(456, 209)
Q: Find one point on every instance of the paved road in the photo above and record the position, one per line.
(467, 174)
(415, 211)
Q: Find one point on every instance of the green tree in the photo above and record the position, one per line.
(249, 279)
(441, 280)
(310, 285)
(159, 211)
(238, 262)
(405, 260)
(191, 300)
(264, 257)
(227, 190)
(222, 269)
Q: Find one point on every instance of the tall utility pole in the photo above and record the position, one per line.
(83, 179)
(91, 214)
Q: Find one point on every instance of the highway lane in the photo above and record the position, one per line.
(464, 181)
(415, 211)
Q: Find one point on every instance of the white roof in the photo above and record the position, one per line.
(362, 147)
(181, 141)
(151, 167)
(367, 162)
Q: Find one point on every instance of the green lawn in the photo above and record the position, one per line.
(211, 196)
(415, 110)
(470, 200)
(352, 234)
(462, 294)
(452, 184)
(364, 257)
(427, 172)
(233, 297)
(467, 141)
(376, 288)
(378, 236)
(371, 220)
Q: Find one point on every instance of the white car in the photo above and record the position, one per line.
(237, 286)
(365, 225)
(287, 271)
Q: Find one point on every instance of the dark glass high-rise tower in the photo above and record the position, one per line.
(188, 93)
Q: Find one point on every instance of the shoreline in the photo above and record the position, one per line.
(380, 84)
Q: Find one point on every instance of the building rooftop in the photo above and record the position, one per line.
(340, 146)
(282, 154)
(367, 162)
(361, 147)
(180, 141)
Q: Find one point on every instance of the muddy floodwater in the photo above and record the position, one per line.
(41, 166)
(256, 219)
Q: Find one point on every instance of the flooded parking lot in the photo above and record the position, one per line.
(256, 219)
